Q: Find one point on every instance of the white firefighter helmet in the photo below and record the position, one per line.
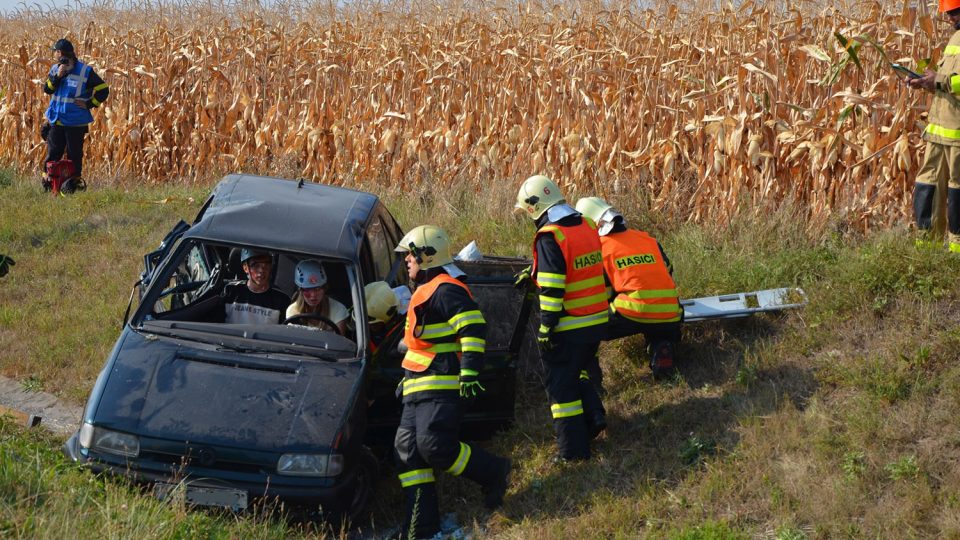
(429, 244)
(537, 194)
(600, 212)
(381, 301)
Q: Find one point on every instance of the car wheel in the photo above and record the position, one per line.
(368, 470)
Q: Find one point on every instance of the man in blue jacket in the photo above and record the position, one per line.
(75, 89)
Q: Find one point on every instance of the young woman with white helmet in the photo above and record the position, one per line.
(312, 298)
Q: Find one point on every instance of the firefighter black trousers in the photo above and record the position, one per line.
(571, 398)
(69, 138)
(428, 440)
(620, 326)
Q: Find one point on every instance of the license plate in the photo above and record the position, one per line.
(234, 499)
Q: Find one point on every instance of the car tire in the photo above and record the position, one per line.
(368, 472)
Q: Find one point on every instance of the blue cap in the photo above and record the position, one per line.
(246, 254)
(63, 45)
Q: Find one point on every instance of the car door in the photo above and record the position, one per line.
(506, 311)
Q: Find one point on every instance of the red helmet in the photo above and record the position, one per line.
(949, 5)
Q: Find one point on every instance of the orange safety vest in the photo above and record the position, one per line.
(420, 352)
(584, 297)
(638, 273)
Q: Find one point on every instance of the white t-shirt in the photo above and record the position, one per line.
(338, 312)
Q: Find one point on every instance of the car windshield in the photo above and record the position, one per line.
(250, 298)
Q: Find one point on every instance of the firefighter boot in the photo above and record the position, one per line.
(593, 410)
(924, 198)
(661, 358)
(953, 219)
(492, 473)
(422, 519)
(923, 195)
(573, 442)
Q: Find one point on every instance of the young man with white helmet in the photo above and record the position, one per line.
(254, 301)
(573, 312)
(644, 296)
(312, 298)
(445, 337)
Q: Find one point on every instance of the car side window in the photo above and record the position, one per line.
(380, 249)
(185, 284)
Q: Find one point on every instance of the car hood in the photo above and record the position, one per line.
(176, 390)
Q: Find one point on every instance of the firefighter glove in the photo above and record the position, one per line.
(521, 277)
(469, 385)
(543, 338)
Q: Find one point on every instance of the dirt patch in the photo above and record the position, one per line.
(56, 416)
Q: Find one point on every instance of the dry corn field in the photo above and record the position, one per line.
(699, 108)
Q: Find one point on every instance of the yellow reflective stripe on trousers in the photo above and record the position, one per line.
(462, 459)
(566, 410)
(549, 303)
(473, 344)
(416, 477)
(941, 131)
(431, 382)
(466, 318)
(548, 279)
(585, 301)
(572, 322)
(585, 284)
(951, 50)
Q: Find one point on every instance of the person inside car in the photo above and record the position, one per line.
(254, 301)
(312, 298)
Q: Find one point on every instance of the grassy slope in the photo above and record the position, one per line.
(837, 421)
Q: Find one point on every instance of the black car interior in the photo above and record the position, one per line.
(193, 291)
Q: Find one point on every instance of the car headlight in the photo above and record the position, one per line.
(108, 441)
(310, 464)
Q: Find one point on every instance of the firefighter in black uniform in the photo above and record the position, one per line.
(444, 335)
(568, 268)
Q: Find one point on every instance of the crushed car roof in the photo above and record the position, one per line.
(285, 214)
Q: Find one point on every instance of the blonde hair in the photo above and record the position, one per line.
(300, 305)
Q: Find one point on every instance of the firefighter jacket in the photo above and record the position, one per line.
(81, 83)
(944, 117)
(568, 268)
(635, 265)
(444, 330)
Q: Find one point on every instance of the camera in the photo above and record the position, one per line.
(64, 60)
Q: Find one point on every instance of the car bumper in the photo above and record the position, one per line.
(330, 498)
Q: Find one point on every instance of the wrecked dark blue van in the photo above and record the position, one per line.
(226, 414)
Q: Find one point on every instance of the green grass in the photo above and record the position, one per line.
(838, 420)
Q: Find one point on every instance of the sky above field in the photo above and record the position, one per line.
(7, 6)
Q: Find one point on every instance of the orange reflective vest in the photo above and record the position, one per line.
(420, 351)
(638, 273)
(584, 299)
